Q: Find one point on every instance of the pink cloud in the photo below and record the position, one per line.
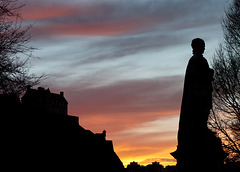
(131, 96)
(53, 19)
(108, 27)
(39, 11)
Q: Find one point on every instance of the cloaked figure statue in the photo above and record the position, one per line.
(199, 149)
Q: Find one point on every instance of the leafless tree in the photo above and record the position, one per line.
(225, 118)
(14, 50)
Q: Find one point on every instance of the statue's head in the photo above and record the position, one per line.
(198, 46)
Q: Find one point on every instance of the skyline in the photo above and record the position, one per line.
(121, 64)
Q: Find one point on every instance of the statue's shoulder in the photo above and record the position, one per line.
(198, 59)
(193, 60)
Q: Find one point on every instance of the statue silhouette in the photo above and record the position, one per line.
(195, 140)
(197, 94)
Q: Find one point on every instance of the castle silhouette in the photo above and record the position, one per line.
(45, 102)
(38, 134)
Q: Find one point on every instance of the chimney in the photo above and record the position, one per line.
(62, 93)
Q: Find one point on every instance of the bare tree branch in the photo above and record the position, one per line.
(14, 39)
(225, 117)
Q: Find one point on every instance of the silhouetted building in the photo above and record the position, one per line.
(135, 167)
(39, 135)
(170, 169)
(155, 167)
(44, 102)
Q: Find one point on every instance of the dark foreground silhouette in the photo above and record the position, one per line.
(198, 147)
(37, 134)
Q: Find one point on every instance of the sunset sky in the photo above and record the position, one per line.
(121, 64)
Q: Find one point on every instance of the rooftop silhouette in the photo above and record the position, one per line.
(154, 167)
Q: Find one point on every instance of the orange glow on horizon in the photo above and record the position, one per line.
(127, 130)
(163, 157)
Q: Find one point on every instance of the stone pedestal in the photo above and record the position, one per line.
(202, 152)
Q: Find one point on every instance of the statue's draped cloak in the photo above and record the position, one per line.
(197, 97)
(196, 143)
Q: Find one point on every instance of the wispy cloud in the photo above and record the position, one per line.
(120, 47)
(119, 28)
(117, 17)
